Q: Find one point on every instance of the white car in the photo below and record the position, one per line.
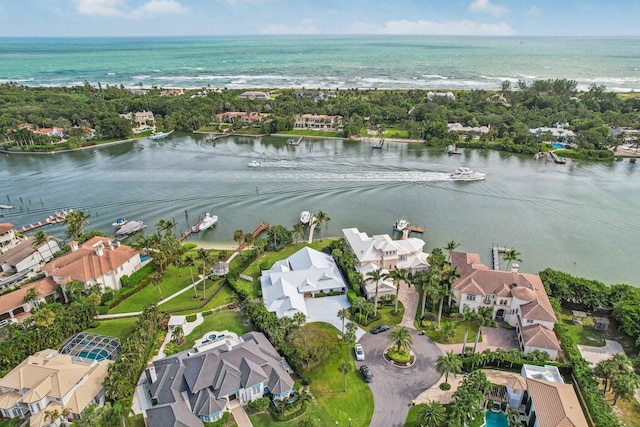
(359, 352)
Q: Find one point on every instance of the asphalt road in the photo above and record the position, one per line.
(394, 388)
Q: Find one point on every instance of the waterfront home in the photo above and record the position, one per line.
(49, 381)
(171, 92)
(541, 398)
(516, 298)
(383, 253)
(317, 122)
(57, 132)
(239, 116)
(435, 95)
(260, 96)
(558, 131)
(15, 308)
(302, 275)
(8, 238)
(141, 120)
(194, 387)
(476, 130)
(24, 260)
(96, 261)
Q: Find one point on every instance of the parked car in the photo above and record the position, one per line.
(380, 328)
(359, 352)
(366, 373)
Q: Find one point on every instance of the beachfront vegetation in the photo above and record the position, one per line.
(508, 113)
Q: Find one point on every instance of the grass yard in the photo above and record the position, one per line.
(135, 421)
(222, 298)
(119, 328)
(221, 320)
(304, 132)
(387, 316)
(586, 334)
(395, 133)
(458, 338)
(314, 413)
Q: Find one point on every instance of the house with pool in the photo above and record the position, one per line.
(518, 299)
(199, 385)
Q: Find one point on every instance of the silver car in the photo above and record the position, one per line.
(359, 352)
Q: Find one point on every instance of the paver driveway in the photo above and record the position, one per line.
(394, 388)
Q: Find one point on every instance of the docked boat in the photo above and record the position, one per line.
(451, 149)
(208, 221)
(159, 135)
(305, 217)
(254, 164)
(7, 207)
(129, 228)
(401, 224)
(119, 222)
(378, 144)
(294, 142)
(466, 174)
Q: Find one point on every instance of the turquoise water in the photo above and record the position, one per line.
(95, 354)
(321, 61)
(495, 419)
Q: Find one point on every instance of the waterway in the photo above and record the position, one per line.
(581, 217)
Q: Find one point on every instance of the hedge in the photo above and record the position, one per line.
(351, 296)
(131, 285)
(221, 422)
(289, 416)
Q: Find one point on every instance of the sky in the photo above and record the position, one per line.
(116, 18)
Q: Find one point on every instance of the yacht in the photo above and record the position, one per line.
(159, 135)
(119, 222)
(129, 228)
(208, 221)
(466, 174)
(305, 217)
(401, 224)
(254, 164)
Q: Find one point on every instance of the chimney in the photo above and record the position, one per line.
(515, 267)
(74, 245)
(109, 245)
(100, 249)
(117, 244)
(153, 377)
(228, 345)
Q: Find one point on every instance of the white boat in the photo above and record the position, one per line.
(208, 221)
(159, 135)
(129, 228)
(119, 222)
(254, 164)
(466, 174)
(451, 149)
(7, 207)
(305, 217)
(401, 224)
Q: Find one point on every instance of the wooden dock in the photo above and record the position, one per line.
(259, 229)
(56, 218)
(211, 137)
(496, 251)
(295, 142)
(194, 229)
(415, 229)
(559, 160)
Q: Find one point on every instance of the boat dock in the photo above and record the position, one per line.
(212, 137)
(559, 160)
(295, 142)
(495, 252)
(194, 229)
(378, 144)
(259, 229)
(411, 229)
(56, 218)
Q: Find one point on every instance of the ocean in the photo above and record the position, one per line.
(389, 62)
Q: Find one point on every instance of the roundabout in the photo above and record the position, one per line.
(405, 359)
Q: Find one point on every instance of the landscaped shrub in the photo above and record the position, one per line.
(221, 422)
(259, 405)
(207, 313)
(287, 414)
(191, 318)
(351, 296)
(189, 246)
(400, 357)
(445, 386)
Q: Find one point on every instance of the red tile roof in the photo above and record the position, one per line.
(5, 226)
(537, 335)
(15, 299)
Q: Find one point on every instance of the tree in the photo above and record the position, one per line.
(298, 231)
(624, 386)
(421, 280)
(312, 345)
(448, 330)
(485, 316)
(449, 363)
(156, 280)
(31, 295)
(40, 238)
(512, 416)
(279, 237)
(205, 257)
(299, 318)
(468, 316)
(400, 275)
(249, 239)
(444, 287)
(75, 223)
(177, 335)
(238, 236)
(401, 338)
(178, 262)
(320, 219)
(345, 367)
(451, 246)
(190, 262)
(432, 414)
(374, 277)
(44, 317)
(511, 255)
(342, 315)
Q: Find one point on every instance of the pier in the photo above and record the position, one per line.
(295, 142)
(496, 251)
(259, 229)
(212, 137)
(56, 218)
(194, 229)
(559, 160)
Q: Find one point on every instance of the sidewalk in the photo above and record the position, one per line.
(409, 298)
(241, 417)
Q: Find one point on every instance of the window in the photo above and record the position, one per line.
(529, 321)
(471, 297)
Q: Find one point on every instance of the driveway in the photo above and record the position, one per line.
(395, 388)
(326, 309)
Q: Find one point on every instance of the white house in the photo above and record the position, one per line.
(383, 253)
(261, 96)
(517, 298)
(8, 237)
(24, 260)
(143, 120)
(317, 122)
(302, 275)
(96, 261)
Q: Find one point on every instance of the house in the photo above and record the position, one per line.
(239, 116)
(517, 298)
(140, 92)
(435, 95)
(191, 388)
(57, 132)
(260, 96)
(171, 92)
(382, 253)
(49, 381)
(559, 132)
(542, 399)
(24, 260)
(317, 122)
(8, 239)
(14, 306)
(96, 261)
(302, 275)
(476, 130)
(89, 131)
(142, 120)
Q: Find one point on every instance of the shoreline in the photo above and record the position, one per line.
(106, 144)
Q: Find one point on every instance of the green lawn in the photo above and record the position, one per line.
(314, 412)
(221, 320)
(312, 133)
(586, 334)
(135, 421)
(458, 338)
(119, 328)
(387, 315)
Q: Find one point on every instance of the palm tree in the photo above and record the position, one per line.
(401, 338)
(321, 218)
(451, 246)
(31, 295)
(238, 236)
(511, 255)
(358, 303)
(432, 414)
(177, 335)
(190, 262)
(39, 239)
(448, 330)
(624, 386)
(298, 231)
(343, 314)
(345, 367)
(75, 223)
(448, 277)
(512, 416)
(374, 277)
(421, 280)
(156, 280)
(449, 363)
(299, 318)
(485, 315)
(400, 275)
(468, 315)
(178, 262)
(205, 256)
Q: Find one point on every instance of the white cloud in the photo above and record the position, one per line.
(444, 28)
(119, 8)
(250, 1)
(306, 26)
(534, 11)
(487, 7)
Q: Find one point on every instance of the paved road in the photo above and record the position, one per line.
(394, 388)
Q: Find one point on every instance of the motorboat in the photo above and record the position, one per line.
(305, 217)
(451, 149)
(379, 144)
(208, 221)
(159, 135)
(119, 222)
(129, 228)
(466, 174)
(254, 164)
(294, 142)
(401, 224)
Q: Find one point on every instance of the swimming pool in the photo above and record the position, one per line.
(95, 354)
(495, 419)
